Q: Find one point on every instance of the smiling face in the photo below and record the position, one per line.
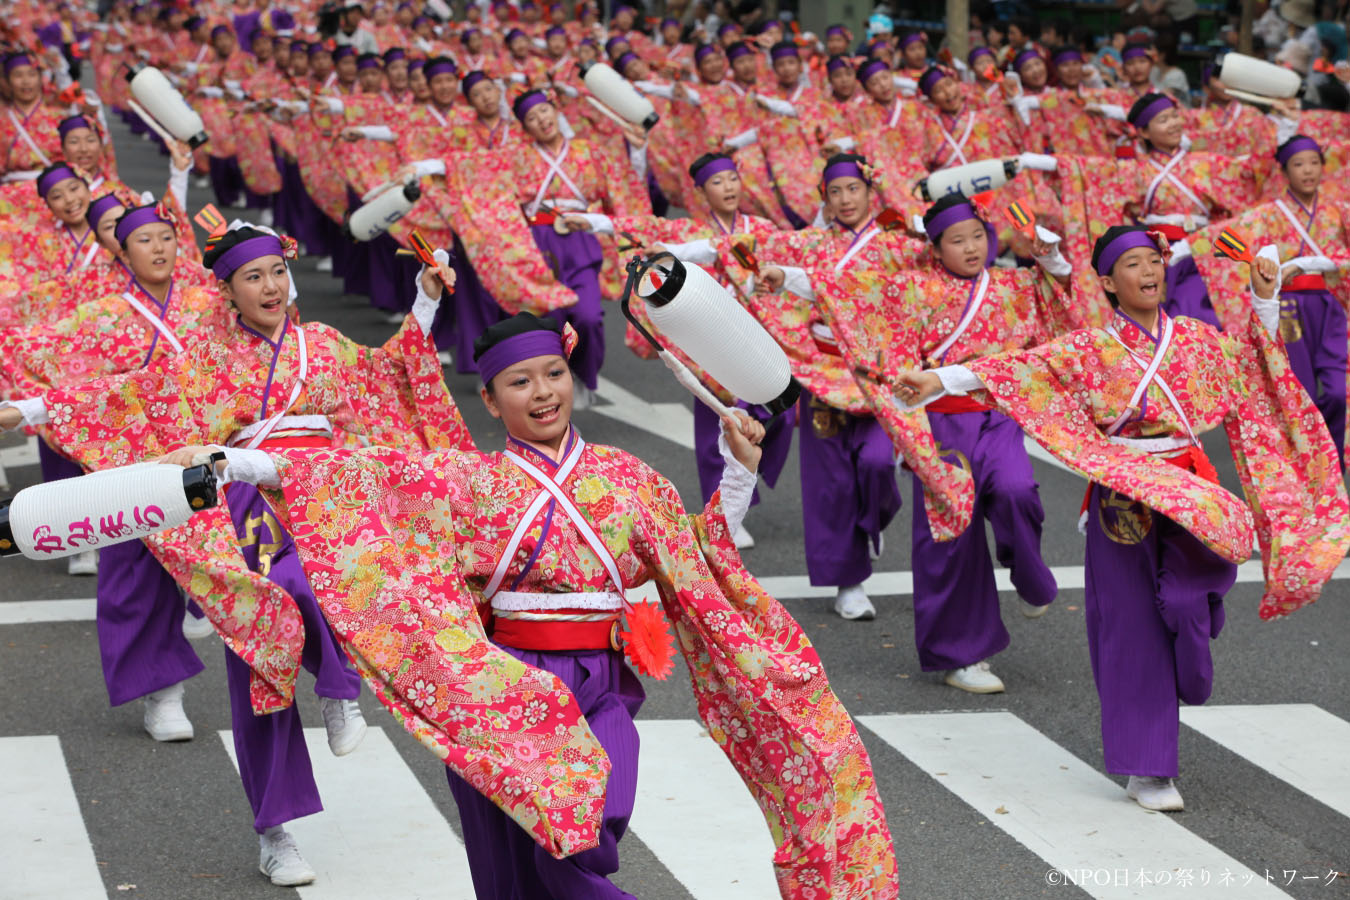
(843, 82)
(25, 83)
(1033, 74)
(150, 253)
(964, 247)
(1164, 130)
(849, 200)
(82, 147)
(746, 68)
(723, 191)
(258, 289)
(880, 86)
(541, 122)
(1138, 280)
(1304, 171)
(947, 97)
(788, 69)
(444, 86)
(1070, 72)
(69, 201)
(712, 68)
(533, 399)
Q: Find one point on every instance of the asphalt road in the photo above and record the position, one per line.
(1005, 801)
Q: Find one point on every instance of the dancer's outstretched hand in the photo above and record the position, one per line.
(744, 435)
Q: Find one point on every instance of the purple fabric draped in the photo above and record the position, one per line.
(54, 465)
(465, 315)
(505, 862)
(1187, 294)
(1318, 354)
(956, 612)
(777, 443)
(1154, 599)
(576, 259)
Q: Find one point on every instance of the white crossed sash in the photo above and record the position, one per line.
(270, 425)
(972, 310)
(856, 247)
(28, 138)
(554, 168)
(155, 321)
(1150, 376)
(1165, 173)
(955, 144)
(1298, 226)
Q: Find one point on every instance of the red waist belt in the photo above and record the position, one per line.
(1192, 459)
(556, 635)
(1312, 282)
(1171, 232)
(950, 405)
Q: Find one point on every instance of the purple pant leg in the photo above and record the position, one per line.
(1187, 294)
(1317, 353)
(576, 259)
(849, 494)
(55, 466)
(226, 180)
(274, 762)
(139, 620)
(1012, 503)
(506, 863)
(1153, 599)
(466, 314)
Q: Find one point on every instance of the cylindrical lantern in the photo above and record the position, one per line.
(62, 518)
(701, 317)
(374, 218)
(968, 180)
(152, 90)
(613, 90)
(1256, 76)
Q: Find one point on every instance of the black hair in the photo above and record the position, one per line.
(215, 248)
(941, 205)
(520, 323)
(1331, 94)
(1100, 246)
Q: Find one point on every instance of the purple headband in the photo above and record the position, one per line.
(1141, 119)
(518, 348)
(528, 101)
(910, 38)
(53, 178)
(299, 46)
(468, 81)
(193, 23)
(515, 33)
(1296, 144)
(928, 80)
(136, 218)
(785, 52)
(394, 54)
(370, 62)
(219, 30)
(73, 123)
(556, 29)
(614, 42)
(703, 50)
(667, 22)
(622, 8)
(844, 169)
(836, 29)
(1133, 51)
(955, 215)
(16, 60)
(1118, 247)
(243, 253)
(100, 207)
(417, 65)
(316, 48)
(977, 53)
(419, 20)
(441, 66)
(737, 50)
(468, 33)
(343, 52)
(870, 68)
(713, 167)
(876, 44)
(1024, 57)
(1067, 54)
(837, 62)
(726, 28)
(624, 59)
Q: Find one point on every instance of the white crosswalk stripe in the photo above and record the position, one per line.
(1302, 745)
(1066, 812)
(1059, 807)
(44, 848)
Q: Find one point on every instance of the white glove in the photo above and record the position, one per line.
(425, 167)
(1037, 161)
(1180, 250)
(1024, 105)
(1108, 110)
(1312, 264)
(1053, 262)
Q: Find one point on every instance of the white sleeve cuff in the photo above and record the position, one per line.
(1313, 264)
(250, 467)
(1180, 250)
(33, 410)
(1284, 129)
(1110, 110)
(846, 144)
(1038, 161)
(665, 91)
(700, 252)
(1268, 310)
(958, 380)
(210, 91)
(424, 307)
(1053, 262)
(779, 107)
(637, 158)
(744, 139)
(425, 167)
(692, 96)
(376, 132)
(600, 223)
(737, 486)
(796, 281)
(334, 104)
(178, 183)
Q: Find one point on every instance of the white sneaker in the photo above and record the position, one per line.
(324, 265)
(852, 603)
(266, 218)
(83, 563)
(280, 860)
(975, 678)
(194, 629)
(1032, 611)
(344, 723)
(164, 716)
(743, 539)
(582, 396)
(395, 318)
(1154, 793)
(446, 358)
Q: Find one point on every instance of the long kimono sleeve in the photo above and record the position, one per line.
(376, 534)
(762, 692)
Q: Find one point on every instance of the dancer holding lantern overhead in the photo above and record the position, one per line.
(1124, 405)
(269, 383)
(548, 536)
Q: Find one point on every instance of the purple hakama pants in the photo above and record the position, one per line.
(1154, 599)
(56, 466)
(273, 760)
(849, 494)
(576, 259)
(466, 314)
(139, 619)
(956, 615)
(1314, 327)
(1187, 294)
(505, 861)
(777, 443)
